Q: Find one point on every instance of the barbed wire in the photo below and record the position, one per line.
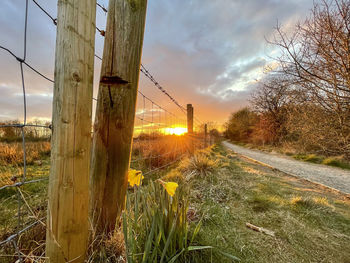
(102, 7)
(147, 73)
(156, 83)
(102, 32)
(54, 20)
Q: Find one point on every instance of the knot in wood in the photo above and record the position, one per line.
(81, 152)
(119, 124)
(76, 77)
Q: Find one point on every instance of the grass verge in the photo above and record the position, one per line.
(335, 161)
(310, 224)
(330, 161)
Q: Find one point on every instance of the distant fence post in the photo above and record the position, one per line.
(189, 118)
(205, 135)
(115, 112)
(67, 217)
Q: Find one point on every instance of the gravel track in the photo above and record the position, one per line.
(332, 177)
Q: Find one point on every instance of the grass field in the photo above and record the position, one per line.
(310, 223)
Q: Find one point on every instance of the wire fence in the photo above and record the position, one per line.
(24, 165)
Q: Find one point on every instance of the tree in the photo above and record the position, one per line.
(271, 100)
(214, 133)
(316, 57)
(241, 125)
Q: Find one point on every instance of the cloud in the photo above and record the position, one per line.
(204, 52)
(12, 104)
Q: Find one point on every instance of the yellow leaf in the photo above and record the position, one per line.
(170, 187)
(135, 177)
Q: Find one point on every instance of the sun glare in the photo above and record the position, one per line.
(175, 131)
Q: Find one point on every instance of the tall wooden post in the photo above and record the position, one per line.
(205, 135)
(189, 118)
(67, 218)
(115, 113)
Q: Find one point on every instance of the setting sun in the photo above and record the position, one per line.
(175, 131)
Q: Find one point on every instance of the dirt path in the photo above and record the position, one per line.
(332, 177)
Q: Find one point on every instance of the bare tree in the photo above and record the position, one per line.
(271, 100)
(316, 56)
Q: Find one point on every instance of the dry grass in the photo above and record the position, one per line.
(162, 150)
(32, 241)
(33, 198)
(108, 249)
(12, 153)
(200, 164)
(250, 170)
(11, 161)
(32, 244)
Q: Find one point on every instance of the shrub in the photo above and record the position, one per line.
(198, 165)
(241, 125)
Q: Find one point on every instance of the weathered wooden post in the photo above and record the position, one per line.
(205, 135)
(190, 128)
(115, 112)
(189, 118)
(67, 217)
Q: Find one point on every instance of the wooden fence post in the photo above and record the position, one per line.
(67, 217)
(189, 118)
(205, 135)
(115, 113)
(190, 127)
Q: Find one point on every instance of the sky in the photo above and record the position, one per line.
(207, 53)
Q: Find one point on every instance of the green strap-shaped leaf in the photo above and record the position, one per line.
(149, 241)
(167, 243)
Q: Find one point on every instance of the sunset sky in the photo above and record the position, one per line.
(208, 53)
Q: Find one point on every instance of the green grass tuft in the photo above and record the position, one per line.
(336, 163)
(312, 158)
(331, 161)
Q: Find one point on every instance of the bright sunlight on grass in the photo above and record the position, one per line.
(310, 224)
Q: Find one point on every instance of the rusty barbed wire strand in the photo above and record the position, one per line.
(156, 83)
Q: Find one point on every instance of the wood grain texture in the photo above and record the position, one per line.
(67, 223)
(115, 113)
